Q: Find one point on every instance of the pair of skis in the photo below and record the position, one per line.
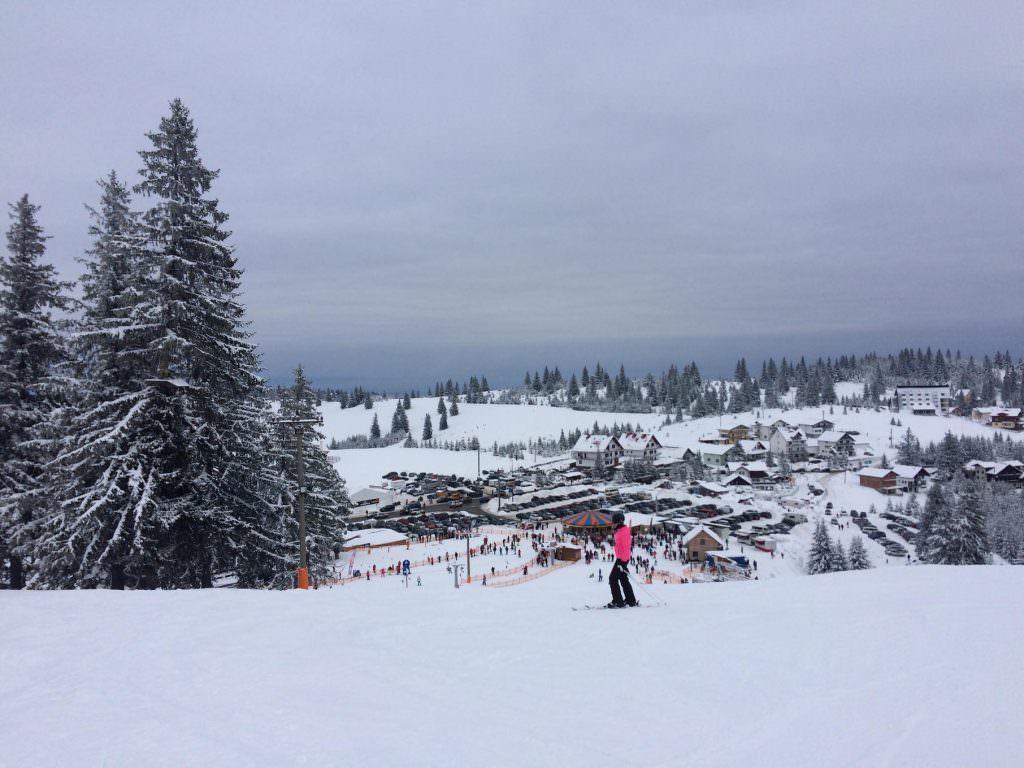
(610, 608)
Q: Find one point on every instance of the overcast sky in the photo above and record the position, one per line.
(421, 188)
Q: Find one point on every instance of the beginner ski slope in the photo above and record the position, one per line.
(915, 666)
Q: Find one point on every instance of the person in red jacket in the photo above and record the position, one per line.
(618, 579)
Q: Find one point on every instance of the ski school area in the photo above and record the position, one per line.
(505, 556)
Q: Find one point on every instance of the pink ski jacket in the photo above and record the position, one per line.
(624, 543)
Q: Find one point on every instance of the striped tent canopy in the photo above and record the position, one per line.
(591, 519)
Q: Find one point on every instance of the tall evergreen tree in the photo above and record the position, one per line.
(821, 557)
(32, 349)
(399, 421)
(375, 429)
(198, 436)
(324, 499)
(102, 530)
(858, 555)
(428, 429)
(958, 534)
(931, 528)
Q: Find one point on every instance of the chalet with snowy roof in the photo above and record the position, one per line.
(755, 450)
(699, 541)
(765, 431)
(789, 442)
(910, 478)
(1011, 472)
(639, 446)
(835, 442)
(591, 450)
(737, 481)
(761, 476)
(1000, 418)
(734, 433)
(717, 456)
(817, 428)
(881, 480)
(706, 488)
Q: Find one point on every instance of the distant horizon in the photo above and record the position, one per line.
(380, 369)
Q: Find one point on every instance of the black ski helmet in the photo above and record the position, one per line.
(618, 518)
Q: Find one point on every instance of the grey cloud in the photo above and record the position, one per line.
(505, 173)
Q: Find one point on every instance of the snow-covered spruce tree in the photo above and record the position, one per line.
(325, 501)
(375, 428)
(399, 424)
(428, 429)
(32, 350)
(442, 425)
(909, 449)
(454, 410)
(857, 556)
(960, 536)
(950, 458)
(821, 556)
(931, 529)
(842, 563)
(442, 409)
(210, 489)
(100, 531)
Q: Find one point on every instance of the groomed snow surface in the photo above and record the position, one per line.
(914, 666)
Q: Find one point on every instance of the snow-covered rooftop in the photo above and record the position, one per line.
(875, 472)
(638, 441)
(701, 530)
(595, 443)
(375, 537)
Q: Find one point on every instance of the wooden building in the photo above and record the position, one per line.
(882, 480)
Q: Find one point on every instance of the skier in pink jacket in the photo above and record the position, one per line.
(618, 579)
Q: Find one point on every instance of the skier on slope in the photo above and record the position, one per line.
(618, 579)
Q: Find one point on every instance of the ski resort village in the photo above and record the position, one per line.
(511, 384)
(786, 570)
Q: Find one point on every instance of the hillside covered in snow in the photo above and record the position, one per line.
(897, 666)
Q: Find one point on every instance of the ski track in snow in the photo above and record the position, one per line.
(894, 666)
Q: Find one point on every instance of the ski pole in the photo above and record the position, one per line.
(642, 588)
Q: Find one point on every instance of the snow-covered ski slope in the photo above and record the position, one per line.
(915, 666)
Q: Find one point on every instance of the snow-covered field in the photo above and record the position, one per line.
(507, 423)
(896, 666)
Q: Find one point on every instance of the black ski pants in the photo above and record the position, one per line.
(619, 582)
